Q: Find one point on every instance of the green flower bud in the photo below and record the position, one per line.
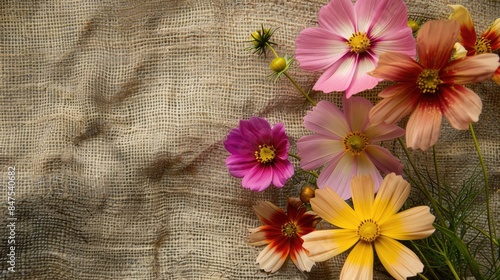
(278, 64)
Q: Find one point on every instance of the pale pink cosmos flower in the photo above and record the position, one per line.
(431, 87)
(347, 142)
(259, 154)
(349, 39)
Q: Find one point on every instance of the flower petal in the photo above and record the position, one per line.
(240, 165)
(390, 198)
(397, 259)
(493, 34)
(283, 170)
(356, 111)
(359, 263)
(270, 214)
(273, 256)
(496, 76)
(258, 178)
(339, 76)
(319, 48)
(337, 174)
(255, 130)
(316, 150)
(362, 80)
(467, 34)
(384, 160)
(339, 17)
(462, 106)
(333, 209)
(400, 41)
(411, 224)
(326, 244)
(424, 125)
(383, 132)
(397, 67)
(435, 41)
(381, 17)
(399, 101)
(363, 192)
(258, 237)
(301, 260)
(364, 166)
(471, 69)
(327, 119)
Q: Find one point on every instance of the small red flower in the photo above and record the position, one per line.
(282, 232)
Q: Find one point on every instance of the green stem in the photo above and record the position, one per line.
(452, 269)
(422, 187)
(292, 79)
(496, 242)
(425, 261)
(294, 156)
(446, 260)
(312, 173)
(438, 178)
(422, 276)
(272, 49)
(300, 89)
(491, 228)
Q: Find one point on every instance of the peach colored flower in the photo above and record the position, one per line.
(431, 87)
(373, 224)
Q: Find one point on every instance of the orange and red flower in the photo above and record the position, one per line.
(488, 42)
(282, 232)
(432, 87)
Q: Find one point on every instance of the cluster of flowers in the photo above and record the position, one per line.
(355, 47)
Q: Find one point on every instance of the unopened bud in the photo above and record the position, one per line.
(278, 64)
(413, 25)
(307, 193)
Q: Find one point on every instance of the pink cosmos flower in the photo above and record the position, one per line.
(431, 87)
(282, 234)
(349, 40)
(347, 142)
(259, 154)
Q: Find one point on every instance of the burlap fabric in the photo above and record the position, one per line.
(113, 114)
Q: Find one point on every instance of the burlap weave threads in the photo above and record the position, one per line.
(113, 115)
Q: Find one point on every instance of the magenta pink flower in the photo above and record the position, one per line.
(347, 142)
(349, 40)
(259, 154)
(432, 87)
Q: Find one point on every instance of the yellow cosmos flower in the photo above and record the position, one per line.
(373, 223)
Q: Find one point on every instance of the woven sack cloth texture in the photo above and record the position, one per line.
(113, 115)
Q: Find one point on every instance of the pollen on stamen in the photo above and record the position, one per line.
(428, 81)
(355, 142)
(265, 154)
(368, 230)
(358, 42)
(482, 45)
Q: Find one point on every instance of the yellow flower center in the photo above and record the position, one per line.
(358, 42)
(428, 81)
(289, 229)
(482, 45)
(355, 142)
(265, 154)
(368, 230)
